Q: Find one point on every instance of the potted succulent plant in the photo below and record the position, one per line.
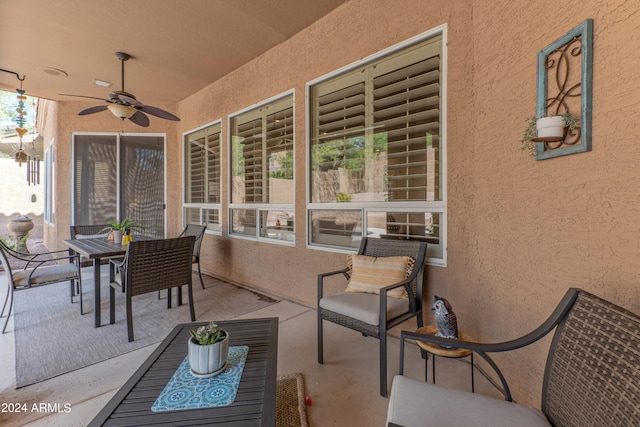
(546, 127)
(208, 350)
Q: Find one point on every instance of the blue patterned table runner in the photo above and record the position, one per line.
(184, 391)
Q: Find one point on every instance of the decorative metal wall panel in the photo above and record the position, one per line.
(565, 86)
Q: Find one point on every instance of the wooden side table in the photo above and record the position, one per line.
(437, 350)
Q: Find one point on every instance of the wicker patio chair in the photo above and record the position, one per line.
(592, 375)
(153, 265)
(198, 232)
(372, 314)
(36, 273)
(89, 232)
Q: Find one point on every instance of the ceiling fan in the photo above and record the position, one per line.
(124, 105)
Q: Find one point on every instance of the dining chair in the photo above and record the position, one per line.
(384, 289)
(197, 231)
(89, 232)
(37, 271)
(150, 266)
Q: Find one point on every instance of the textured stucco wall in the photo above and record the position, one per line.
(520, 231)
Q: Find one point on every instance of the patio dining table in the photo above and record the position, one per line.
(96, 250)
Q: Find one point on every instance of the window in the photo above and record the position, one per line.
(376, 150)
(262, 190)
(202, 151)
(49, 185)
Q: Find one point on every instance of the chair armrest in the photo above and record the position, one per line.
(482, 349)
(321, 277)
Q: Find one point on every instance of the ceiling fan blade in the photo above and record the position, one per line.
(92, 110)
(84, 96)
(130, 100)
(155, 111)
(140, 119)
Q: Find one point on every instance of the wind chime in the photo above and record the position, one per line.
(21, 156)
(33, 163)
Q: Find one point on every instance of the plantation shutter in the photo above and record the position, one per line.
(203, 166)
(406, 105)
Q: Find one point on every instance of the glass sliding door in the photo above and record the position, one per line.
(116, 176)
(142, 182)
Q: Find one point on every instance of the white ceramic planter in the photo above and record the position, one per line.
(117, 236)
(549, 127)
(208, 360)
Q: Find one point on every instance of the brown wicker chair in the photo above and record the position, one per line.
(153, 265)
(89, 232)
(37, 271)
(592, 376)
(339, 308)
(198, 231)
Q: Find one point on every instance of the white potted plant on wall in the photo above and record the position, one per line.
(546, 128)
(208, 350)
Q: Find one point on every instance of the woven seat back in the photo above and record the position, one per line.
(153, 265)
(593, 371)
(198, 232)
(88, 230)
(393, 247)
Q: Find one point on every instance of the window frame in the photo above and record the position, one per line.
(261, 207)
(202, 207)
(439, 207)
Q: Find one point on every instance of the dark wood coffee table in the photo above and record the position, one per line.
(255, 403)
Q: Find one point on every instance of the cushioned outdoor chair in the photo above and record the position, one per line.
(198, 232)
(373, 314)
(36, 273)
(153, 265)
(592, 375)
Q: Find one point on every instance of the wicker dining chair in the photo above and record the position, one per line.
(198, 232)
(37, 271)
(153, 265)
(89, 232)
(372, 314)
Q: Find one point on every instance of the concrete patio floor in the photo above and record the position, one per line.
(344, 391)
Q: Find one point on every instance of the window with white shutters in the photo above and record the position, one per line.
(262, 190)
(375, 150)
(202, 177)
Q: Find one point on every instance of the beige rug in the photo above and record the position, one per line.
(52, 338)
(291, 408)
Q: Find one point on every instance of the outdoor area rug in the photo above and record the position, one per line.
(291, 409)
(52, 338)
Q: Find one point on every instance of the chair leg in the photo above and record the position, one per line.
(112, 305)
(10, 297)
(383, 363)
(191, 307)
(5, 300)
(80, 293)
(320, 353)
(200, 274)
(129, 318)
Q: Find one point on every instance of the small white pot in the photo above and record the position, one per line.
(208, 360)
(550, 127)
(117, 236)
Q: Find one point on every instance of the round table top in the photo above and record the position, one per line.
(441, 351)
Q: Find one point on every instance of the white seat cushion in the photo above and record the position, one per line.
(364, 307)
(415, 403)
(45, 274)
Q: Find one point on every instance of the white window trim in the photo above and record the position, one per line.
(260, 206)
(437, 206)
(202, 206)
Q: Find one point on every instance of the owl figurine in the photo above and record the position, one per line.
(445, 318)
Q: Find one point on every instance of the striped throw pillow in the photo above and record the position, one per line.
(369, 274)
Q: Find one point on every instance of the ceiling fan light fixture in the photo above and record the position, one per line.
(122, 111)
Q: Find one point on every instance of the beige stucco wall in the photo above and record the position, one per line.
(520, 231)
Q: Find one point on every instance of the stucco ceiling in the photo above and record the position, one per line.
(177, 46)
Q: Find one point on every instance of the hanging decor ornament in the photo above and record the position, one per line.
(21, 156)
